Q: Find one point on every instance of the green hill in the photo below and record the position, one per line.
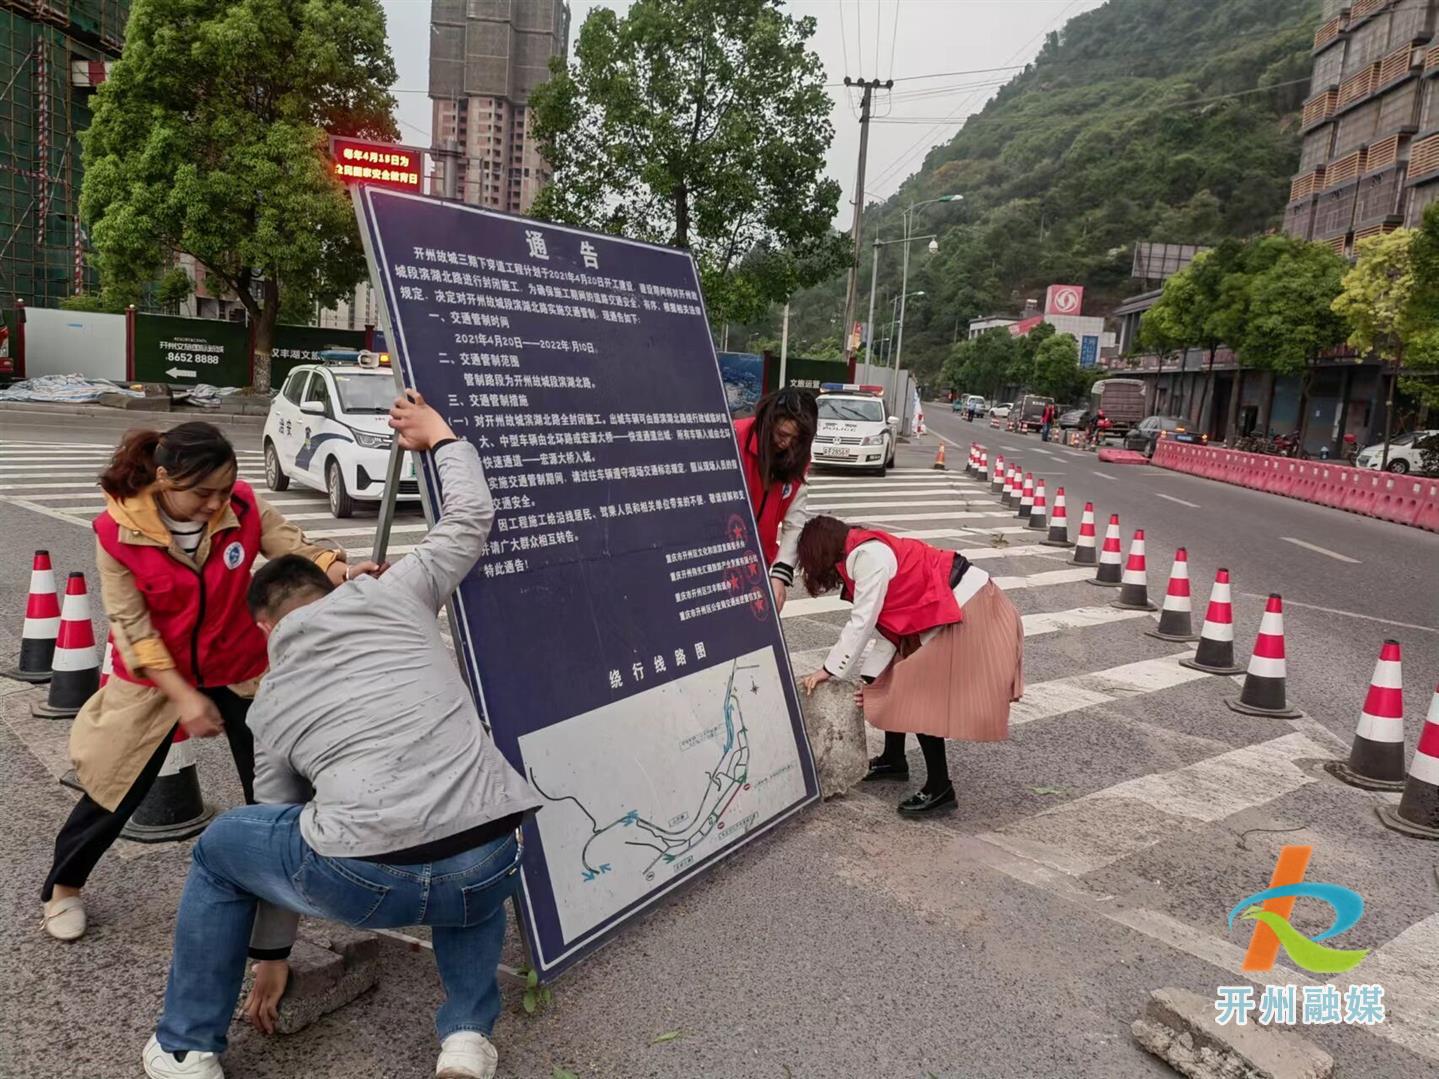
(1166, 120)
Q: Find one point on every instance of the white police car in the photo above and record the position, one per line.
(328, 430)
(854, 431)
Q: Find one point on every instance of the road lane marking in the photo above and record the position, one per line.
(1102, 475)
(1347, 614)
(1318, 550)
(35, 507)
(1117, 822)
(824, 604)
(887, 505)
(1182, 502)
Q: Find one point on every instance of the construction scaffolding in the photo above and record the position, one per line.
(53, 56)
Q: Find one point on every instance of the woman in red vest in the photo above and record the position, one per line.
(175, 545)
(774, 448)
(948, 646)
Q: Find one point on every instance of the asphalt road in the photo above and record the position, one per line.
(1092, 858)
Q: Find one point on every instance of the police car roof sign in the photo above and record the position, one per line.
(619, 634)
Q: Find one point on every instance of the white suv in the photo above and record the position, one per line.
(327, 429)
(853, 430)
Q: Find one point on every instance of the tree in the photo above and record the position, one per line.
(985, 364)
(209, 139)
(1286, 319)
(1382, 302)
(702, 124)
(1056, 369)
(1424, 362)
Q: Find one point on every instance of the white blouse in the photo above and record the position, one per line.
(872, 565)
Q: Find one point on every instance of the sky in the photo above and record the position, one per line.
(947, 57)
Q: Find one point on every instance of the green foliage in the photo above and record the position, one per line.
(1056, 372)
(703, 124)
(536, 997)
(1288, 288)
(209, 138)
(1379, 298)
(1425, 361)
(89, 301)
(1118, 131)
(985, 364)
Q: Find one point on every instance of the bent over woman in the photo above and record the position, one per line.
(774, 448)
(948, 658)
(175, 544)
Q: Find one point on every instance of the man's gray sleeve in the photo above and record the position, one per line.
(434, 569)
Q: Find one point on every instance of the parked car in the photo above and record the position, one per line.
(328, 429)
(1074, 418)
(1122, 402)
(1145, 435)
(999, 413)
(1406, 452)
(853, 430)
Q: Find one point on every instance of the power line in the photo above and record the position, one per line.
(893, 37)
(877, 36)
(843, 40)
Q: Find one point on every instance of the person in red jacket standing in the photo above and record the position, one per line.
(947, 658)
(774, 448)
(176, 542)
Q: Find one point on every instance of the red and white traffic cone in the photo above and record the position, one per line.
(1026, 497)
(1058, 523)
(1215, 654)
(1084, 554)
(1110, 571)
(983, 465)
(107, 666)
(1175, 622)
(972, 465)
(41, 625)
(173, 808)
(1134, 584)
(1011, 486)
(77, 672)
(1264, 689)
(1417, 814)
(1376, 759)
(1039, 512)
(998, 476)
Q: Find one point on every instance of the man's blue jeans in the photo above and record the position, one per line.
(256, 852)
(1044, 432)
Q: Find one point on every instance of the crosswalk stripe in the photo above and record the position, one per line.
(963, 515)
(1044, 700)
(795, 608)
(890, 505)
(1101, 828)
(1041, 580)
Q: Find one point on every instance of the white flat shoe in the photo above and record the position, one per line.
(65, 918)
(467, 1054)
(162, 1065)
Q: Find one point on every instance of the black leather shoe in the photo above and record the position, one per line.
(923, 802)
(879, 768)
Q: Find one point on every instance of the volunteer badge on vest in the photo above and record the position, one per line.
(234, 555)
(788, 490)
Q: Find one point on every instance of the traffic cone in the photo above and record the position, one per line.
(1084, 546)
(998, 476)
(41, 625)
(983, 465)
(939, 458)
(1376, 759)
(1110, 573)
(1175, 623)
(172, 809)
(107, 666)
(1026, 497)
(1039, 512)
(77, 675)
(973, 461)
(1058, 523)
(1134, 584)
(1417, 814)
(1011, 488)
(1215, 654)
(1263, 692)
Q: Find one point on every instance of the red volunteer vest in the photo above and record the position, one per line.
(919, 596)
(770, 502)
(201, 616)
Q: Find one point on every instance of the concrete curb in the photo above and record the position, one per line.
(1181, 1029)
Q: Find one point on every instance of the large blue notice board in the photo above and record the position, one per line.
(619, 634)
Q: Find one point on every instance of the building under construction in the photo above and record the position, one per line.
(53, 55)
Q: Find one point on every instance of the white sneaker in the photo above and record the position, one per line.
(65, 918)
(162, 1065)
(466, 1054)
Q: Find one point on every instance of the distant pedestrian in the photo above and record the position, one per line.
(774, 450)
(948, 658)
(175, 544)
(1046, 421)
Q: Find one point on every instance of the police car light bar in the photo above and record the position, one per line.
(850, 387)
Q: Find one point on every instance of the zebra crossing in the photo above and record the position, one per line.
(1125, 776)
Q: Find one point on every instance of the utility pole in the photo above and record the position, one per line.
(851, 294)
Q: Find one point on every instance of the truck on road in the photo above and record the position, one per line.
(1122, 402)
(1028, 412)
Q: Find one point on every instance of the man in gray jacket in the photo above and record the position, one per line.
(384, 802)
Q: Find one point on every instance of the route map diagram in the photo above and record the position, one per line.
(705, 757)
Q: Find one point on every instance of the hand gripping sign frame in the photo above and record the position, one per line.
(627, 659)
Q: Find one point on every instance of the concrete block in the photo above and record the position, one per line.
(1181, 1029)
(330, 966)
(134, 404)
(836, 736)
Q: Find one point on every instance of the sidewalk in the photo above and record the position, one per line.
(37, 412)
